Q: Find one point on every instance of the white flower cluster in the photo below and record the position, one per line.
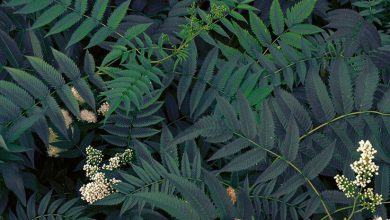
(114, 163)
(104, 108)
(370, 199)
(88, 116)
(365, 169)
(345, 185)
(90, 170)
(100, 186)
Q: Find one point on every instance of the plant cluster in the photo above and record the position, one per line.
(100, 187)
(364, 169)
(186, 109)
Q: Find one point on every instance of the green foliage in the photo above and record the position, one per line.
(234, 109)
(276, 18)
(48, 208)
(72, 15)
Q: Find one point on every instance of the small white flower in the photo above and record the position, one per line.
(365, 168)
(114, 163)
(88, 116)
(104, 108)
(99, 188)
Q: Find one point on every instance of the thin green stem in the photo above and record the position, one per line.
(349, 207)
(337, 211)
(293, 166)
(353, 207)
(341, 117)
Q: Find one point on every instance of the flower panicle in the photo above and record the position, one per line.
(365, 169)
(101, 186)
(88, 116)
(104, 108)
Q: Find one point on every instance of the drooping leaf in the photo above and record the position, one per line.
(341, 87)
(259, 29)
(10, 49)
(299, 12)
(231, 148)
(290, 144)
(273, 171)
(266, 134)
(196, 197)
(189, 68)
(317, 94)
(365, 86)
(219, 196)
(229, 113)
(276, 18)
(245, 160)
(319, 162)
(50, 14)
(247, 117)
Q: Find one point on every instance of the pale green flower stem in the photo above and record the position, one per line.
(349, 207)
(354, 206)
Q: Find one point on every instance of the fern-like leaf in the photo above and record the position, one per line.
(171, 204)
(276, 18)
(299, 12)
(365, 86)
(196, 197)
(341, 87)
(318, 97)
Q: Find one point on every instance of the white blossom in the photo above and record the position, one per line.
(98, 188)
(104, 108)
(365, 168)
(88, 116)
(114, 163)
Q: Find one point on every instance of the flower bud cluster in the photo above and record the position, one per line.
(88, 116)
(345, 185)
(104, 108)
(370, 199)
(365, 169)
(101, 186)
